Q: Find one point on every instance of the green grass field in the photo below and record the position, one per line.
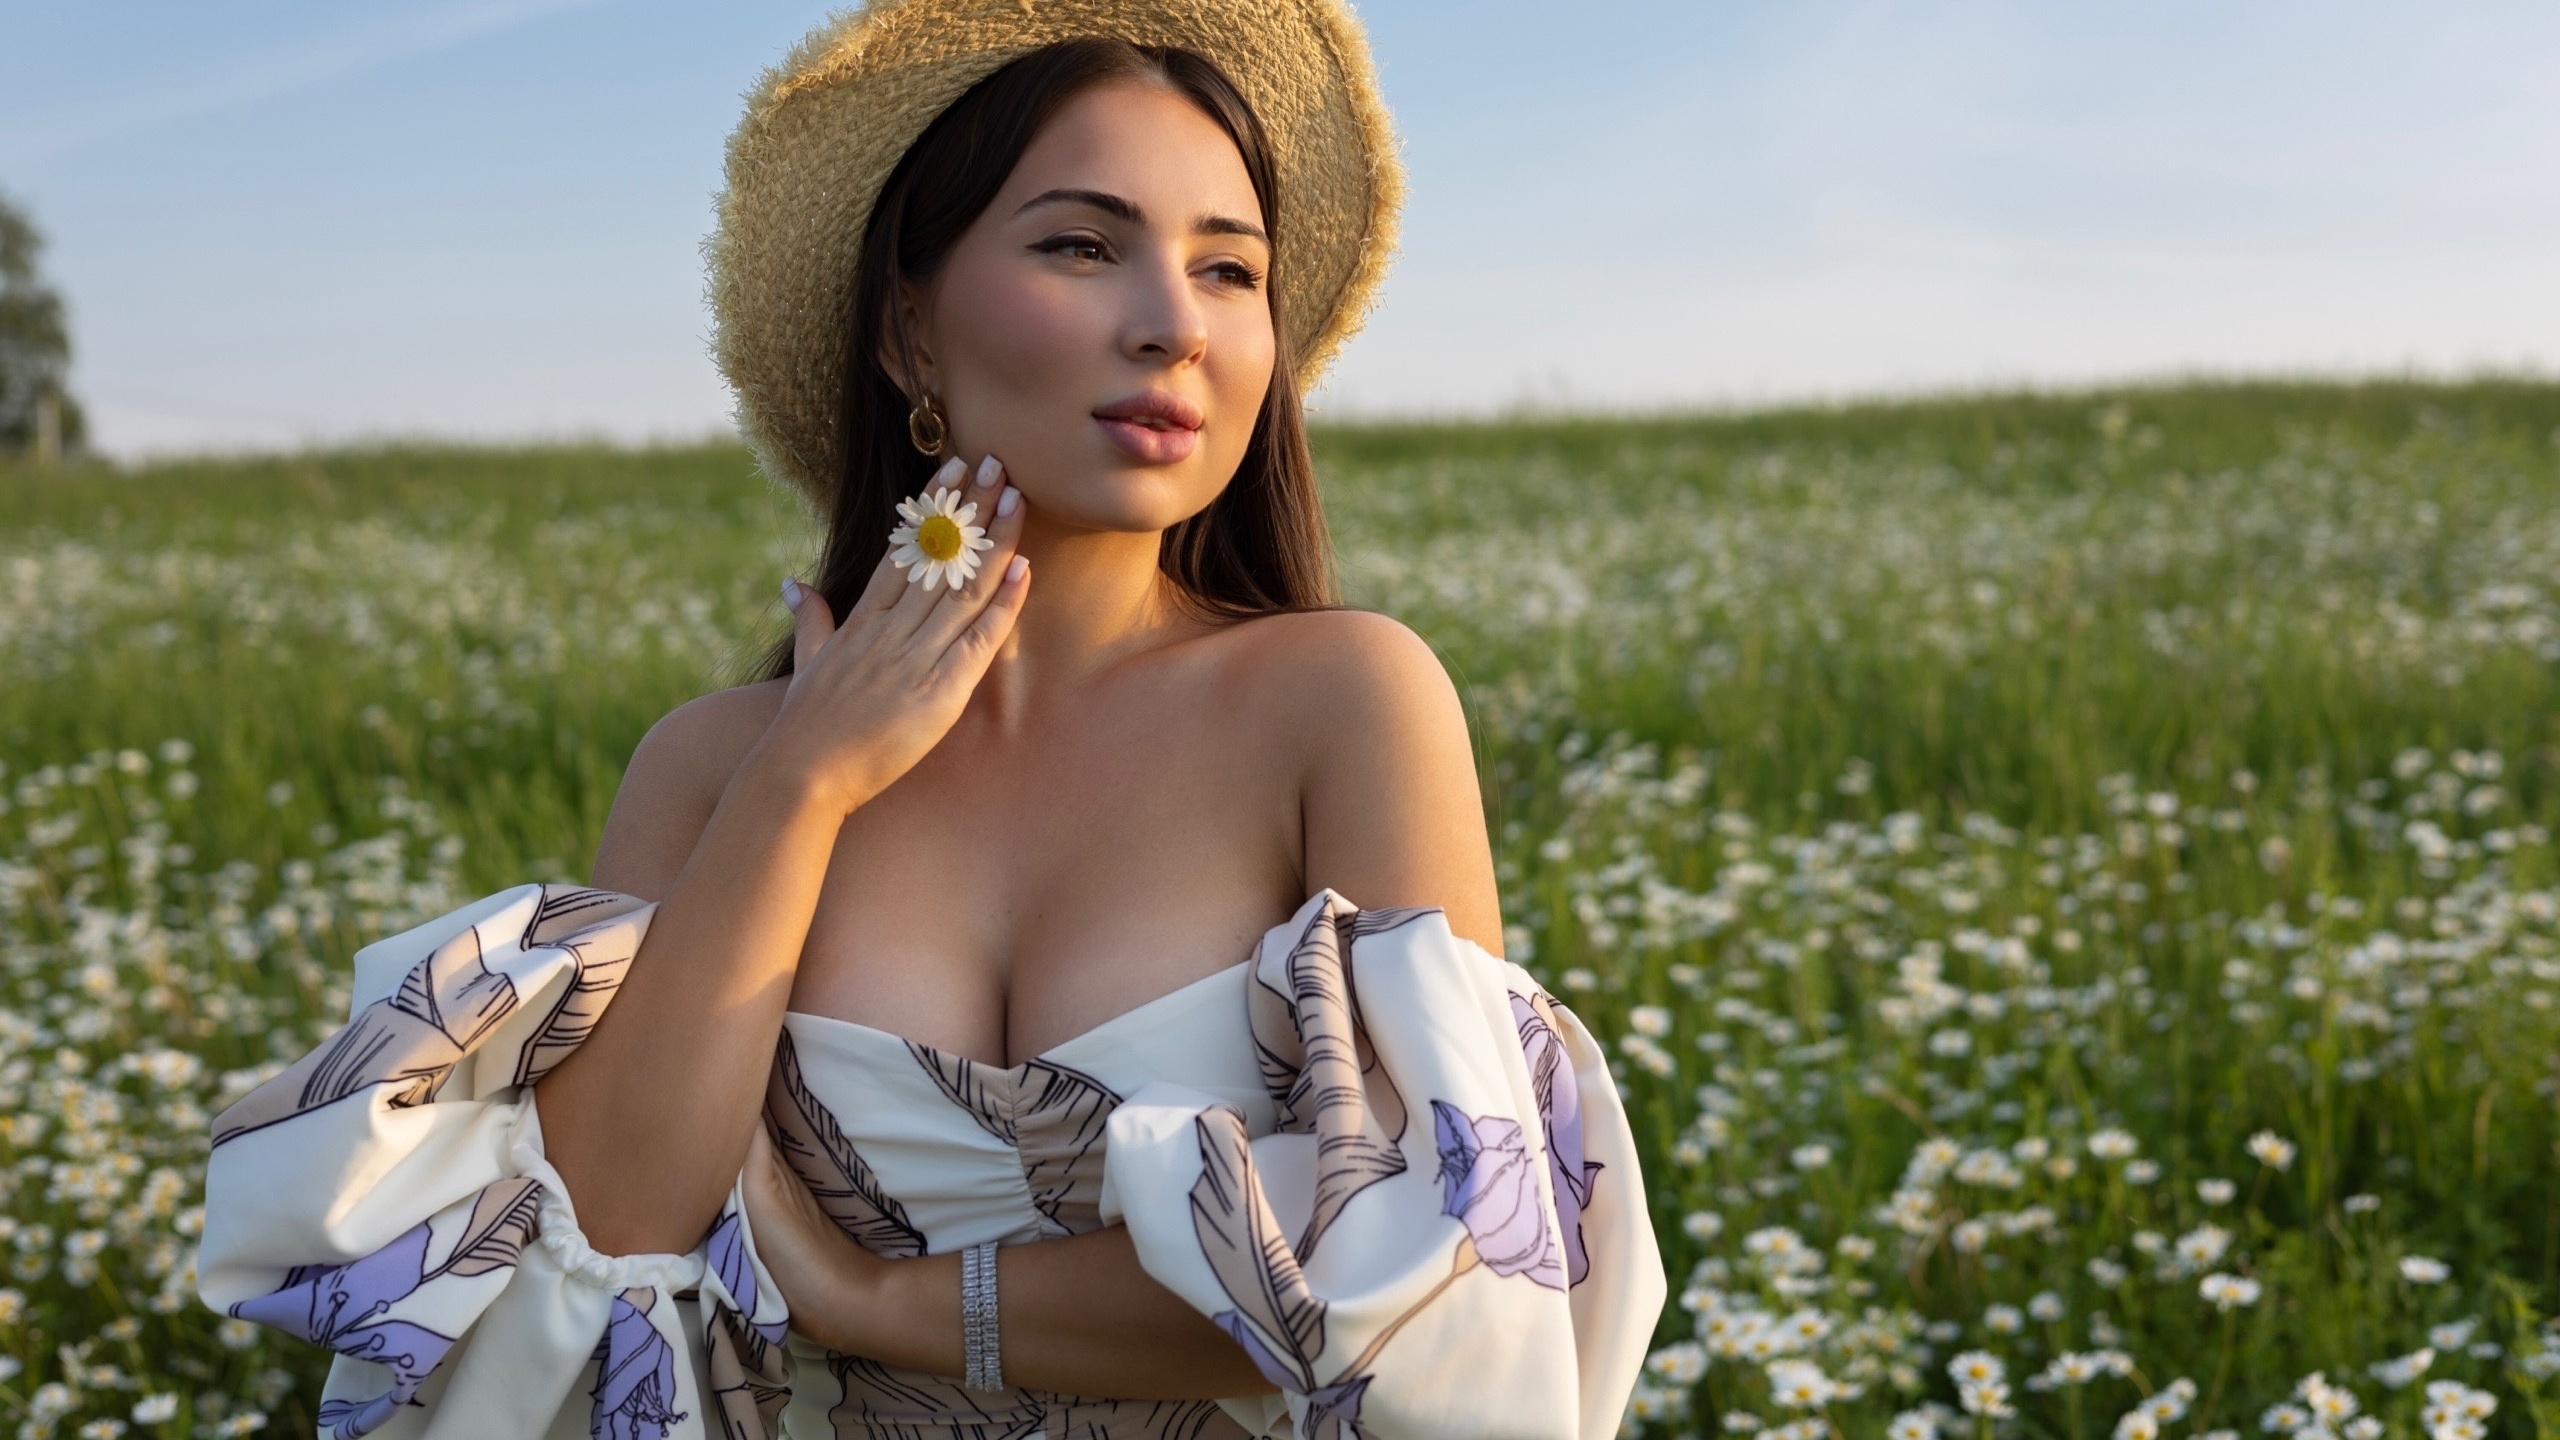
(2069, 878)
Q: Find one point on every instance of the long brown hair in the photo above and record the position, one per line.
(1260, 547)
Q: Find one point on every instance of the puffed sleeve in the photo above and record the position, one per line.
(387, 1197)
(1446, 1236)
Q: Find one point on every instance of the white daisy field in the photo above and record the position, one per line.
(2070, 880)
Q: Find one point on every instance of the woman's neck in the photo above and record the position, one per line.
(1096, 598)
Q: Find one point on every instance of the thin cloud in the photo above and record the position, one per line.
(245, 79)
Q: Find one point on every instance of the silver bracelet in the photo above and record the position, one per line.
(981, 1357)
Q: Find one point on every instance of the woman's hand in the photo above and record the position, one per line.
(822, 1274)
(872, 696)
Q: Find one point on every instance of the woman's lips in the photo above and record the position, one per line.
(1154, 444)
(1157, 428)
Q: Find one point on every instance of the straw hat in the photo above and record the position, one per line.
(823, 130)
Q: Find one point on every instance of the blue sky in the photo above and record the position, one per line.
(301, 221)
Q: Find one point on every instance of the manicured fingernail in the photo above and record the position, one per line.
(1009, 501)
(951, 471)
(988, 470)
(1015, 569)
(791, 593)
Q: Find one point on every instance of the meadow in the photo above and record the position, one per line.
(2068, 879)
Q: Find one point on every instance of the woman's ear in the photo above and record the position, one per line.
(903, 356)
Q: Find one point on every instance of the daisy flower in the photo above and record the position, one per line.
(938, 544)
(2424, 1270)
(2271, 1150)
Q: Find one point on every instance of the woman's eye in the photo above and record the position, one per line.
(1074, 247)
(1236, 273)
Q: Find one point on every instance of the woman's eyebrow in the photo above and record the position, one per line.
(1102, 200)
(1216, 224)
(1127, 211)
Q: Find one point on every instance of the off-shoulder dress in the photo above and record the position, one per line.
(1388, 1163)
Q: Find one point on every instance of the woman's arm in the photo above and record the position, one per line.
(647, 1120)
(1079, 1316)
(1391, 807)
(1392, 816)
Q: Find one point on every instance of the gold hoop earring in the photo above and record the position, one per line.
(925, 414)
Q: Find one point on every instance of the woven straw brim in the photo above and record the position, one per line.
(824, 129)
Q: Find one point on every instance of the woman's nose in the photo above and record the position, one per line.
(1166, 324)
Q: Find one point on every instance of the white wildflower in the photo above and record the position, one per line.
(1933, 1159)
(1976, 1367)
(1987, 1398)
(2113, 1144)
(2403, 1371)
(938, 540)
(1800, 1385)
(1682, 1364)
(2424, 1270)
(2169, 1403)
(2229, 1292)
(2271, 1150)
(2329, 1404)
(2071, 1368)
(2203, 1246)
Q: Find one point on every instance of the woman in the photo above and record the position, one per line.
(956, 897)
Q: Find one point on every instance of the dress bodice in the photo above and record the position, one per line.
(965, 1151)
(914, 1151)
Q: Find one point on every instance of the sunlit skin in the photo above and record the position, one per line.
(991, 819)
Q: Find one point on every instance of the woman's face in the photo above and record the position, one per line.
(1103, 327)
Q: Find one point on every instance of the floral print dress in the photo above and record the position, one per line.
(1389, 1164)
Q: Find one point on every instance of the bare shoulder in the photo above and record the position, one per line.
(1390, 809)
(1347, 674)
(697, 745)
(674, 781)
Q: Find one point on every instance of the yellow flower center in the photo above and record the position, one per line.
(939, 537)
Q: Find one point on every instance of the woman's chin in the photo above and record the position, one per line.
(1119, 495)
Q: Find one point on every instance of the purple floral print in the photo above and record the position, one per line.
(726, 1249)
(1489, 1182)
(635, 1388)
(344, 1307)
(1560, 1113)
(1273, 1368)
(347, 1307)
(1333, 1411)
(750, 1371)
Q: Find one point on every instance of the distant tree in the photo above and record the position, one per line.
(35, 343)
